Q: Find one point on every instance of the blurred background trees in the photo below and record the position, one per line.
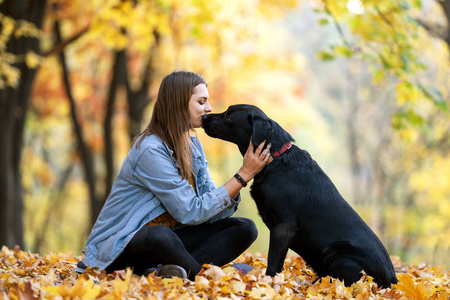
(363, 86)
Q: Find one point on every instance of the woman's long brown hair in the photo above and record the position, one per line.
(171, 120)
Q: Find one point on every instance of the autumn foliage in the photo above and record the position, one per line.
(366, 93)
(24, 275)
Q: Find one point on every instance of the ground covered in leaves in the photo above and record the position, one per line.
(25, 275)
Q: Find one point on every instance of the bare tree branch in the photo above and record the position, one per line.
(61, 45)
(446, 7)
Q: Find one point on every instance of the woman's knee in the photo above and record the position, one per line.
(248, 228)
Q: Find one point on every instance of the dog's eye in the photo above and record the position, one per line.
(227, 116)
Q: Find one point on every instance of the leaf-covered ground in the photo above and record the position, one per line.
(24, 275)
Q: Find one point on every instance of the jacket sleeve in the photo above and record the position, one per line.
(156, 171)
(228, 212)
(208, 185)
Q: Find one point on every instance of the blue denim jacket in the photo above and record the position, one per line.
(147, 185)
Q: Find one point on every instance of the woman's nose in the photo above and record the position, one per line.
(208, 108)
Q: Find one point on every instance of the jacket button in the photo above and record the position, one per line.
(204, 176)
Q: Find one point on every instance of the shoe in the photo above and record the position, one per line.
(243, 268)
(167, 271)
(80, 268)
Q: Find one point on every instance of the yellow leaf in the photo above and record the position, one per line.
(258, 293)
(55, 290)
(172, 283)
(10, 73)
(411, 290)
(238, 288)
(230, 270)
(92, 291)
(201, 283)
(8, 26)
(32, 60)
(344, 51)
(82, 289)
(121, 287)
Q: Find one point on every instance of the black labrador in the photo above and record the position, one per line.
(301, 206)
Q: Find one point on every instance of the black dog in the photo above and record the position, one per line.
(301, 206)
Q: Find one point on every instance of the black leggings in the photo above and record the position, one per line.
(190, 247)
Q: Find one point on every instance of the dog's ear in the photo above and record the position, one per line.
(262, 129)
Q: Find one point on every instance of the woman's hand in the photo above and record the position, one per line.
(254, 160)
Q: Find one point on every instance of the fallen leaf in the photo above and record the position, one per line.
(214, 272)
(24, 275)
(415, 291)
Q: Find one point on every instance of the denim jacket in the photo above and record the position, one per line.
(147, 185)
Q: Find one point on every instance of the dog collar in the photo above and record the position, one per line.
(277, 153)
(283, 149)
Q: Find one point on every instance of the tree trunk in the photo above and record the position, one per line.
(138, 100)
(86, 154)
(119, 78)
(14, 103)
(446, 8)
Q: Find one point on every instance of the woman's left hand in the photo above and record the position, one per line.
(254, 160)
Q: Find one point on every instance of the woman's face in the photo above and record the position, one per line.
(199, 105)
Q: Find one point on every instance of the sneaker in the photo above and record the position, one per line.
(243, 268)
(167, 271)
(80, 268)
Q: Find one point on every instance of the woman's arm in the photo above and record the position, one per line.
(156, 171)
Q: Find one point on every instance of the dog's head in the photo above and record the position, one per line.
(242, 122)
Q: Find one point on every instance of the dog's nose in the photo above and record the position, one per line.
(204, 119)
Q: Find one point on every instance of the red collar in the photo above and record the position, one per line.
(283, 149)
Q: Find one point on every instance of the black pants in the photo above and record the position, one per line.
(190, 247)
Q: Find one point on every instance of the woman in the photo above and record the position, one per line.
(163, 208)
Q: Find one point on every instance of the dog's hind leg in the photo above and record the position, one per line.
(280, 238)
(346, 269)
